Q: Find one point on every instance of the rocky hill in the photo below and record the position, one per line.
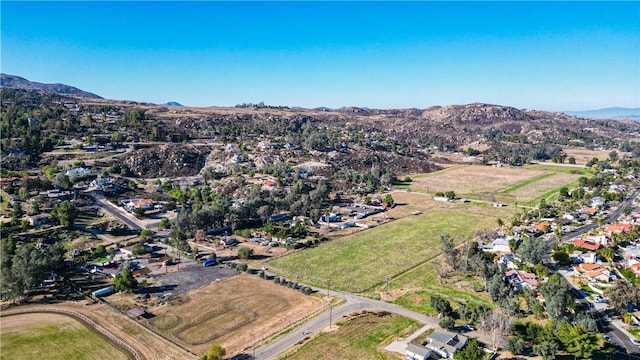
(16, 82)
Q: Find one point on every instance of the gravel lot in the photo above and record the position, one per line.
(187, 279)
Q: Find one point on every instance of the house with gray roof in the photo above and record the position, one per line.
(444, 343)
(417, 352)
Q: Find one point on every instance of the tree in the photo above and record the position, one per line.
(139, 212)
(62, 181)
(245, 252)
(496, 324)
(164, 223)
(447, 322)
(388, 200)
(65, 213)
(471, 351)
(451, 195)
(546, 350)
(449, 249)
(572, 160)
(516, 346)
(621, 294)
(557, 295)
(583, 346)
(532, 250)
(214, 352)
(442, 306)
(125, 281)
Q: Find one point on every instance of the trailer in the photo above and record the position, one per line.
(103, 292)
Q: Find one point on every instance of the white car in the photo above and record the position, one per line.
(634, 341)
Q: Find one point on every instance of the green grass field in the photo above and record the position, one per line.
(359, 338)
(53, 337)
(361, 261)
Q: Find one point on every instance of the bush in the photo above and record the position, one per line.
(516, 346)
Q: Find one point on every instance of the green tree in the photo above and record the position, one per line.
(139, 212)
(214, 352)
(62, 181)
(388, 200)
(65, 213)
(572, 160)
(557, 295)
(442, 306)
(471, 351)
(621, 294)
(164, 223)
(516, 346)
(451, 195)
(583, 346)
(125, 281)
(245, 252)
(447, 322)
(546, 350)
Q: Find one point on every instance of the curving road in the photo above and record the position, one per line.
(352, 303)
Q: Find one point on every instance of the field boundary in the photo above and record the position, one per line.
(84, 320)
(524, 183)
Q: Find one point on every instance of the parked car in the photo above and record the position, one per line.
(634, 341)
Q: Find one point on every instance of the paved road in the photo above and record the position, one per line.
(118, 213)
(624, 348)
(353, 303)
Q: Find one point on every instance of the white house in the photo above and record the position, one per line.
(417, 352)
(78, 171)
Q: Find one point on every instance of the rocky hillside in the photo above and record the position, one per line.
(16, 82)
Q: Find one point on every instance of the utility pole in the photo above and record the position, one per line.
(329, 300)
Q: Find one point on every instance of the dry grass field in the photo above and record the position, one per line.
(583, 155)
(235, 313)
(52, 336)
(500, 184)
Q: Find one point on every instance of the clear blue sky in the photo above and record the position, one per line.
(540, 55)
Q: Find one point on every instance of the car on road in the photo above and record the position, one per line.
(634, 341)
(606, 337)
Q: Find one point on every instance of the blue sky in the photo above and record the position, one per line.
(539, 55)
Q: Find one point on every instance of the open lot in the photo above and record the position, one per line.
(523, 185)
(52, 336)
(583, 155)
(187, 279)
(361, 261)
(235, 312)
(361, 337)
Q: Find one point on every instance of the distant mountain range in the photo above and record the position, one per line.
(17, 82)
(613, 113)
(172, 103)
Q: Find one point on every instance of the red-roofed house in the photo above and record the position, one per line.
(586, 244)
(590, 211)
(618, 228)
(521, 279)
(542, 226)
(594, 272)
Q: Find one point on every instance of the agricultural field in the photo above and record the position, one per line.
(583, 155)
(362, 261)
(52, 336)
(363, 336)
(235, 313)
(524, 185)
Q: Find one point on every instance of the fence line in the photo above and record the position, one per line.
(84, 319)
